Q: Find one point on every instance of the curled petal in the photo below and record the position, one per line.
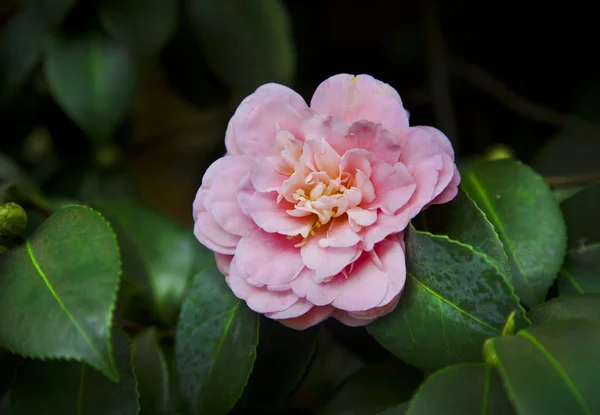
(384, 226)
(313, 317)
(272, 216)
(394, 186)
(326, 262)
(212, 235)
(299, 308)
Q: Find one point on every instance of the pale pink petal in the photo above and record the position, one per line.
(340, 235)
(245, 192)
(362, 318)
(358, 160)
(305, 286)
(258, 299)
(325, 261)
(254, 125)
(223, 262)
(313, 317)
(440, 138)
(362, 217)
(393, 185)
(264, 174)
(362, 183)
(272, 216)
(268, 259)
(367, 284)
(211, 235)
(445, 175)
(319, 156)
(385, 226)
(376, 139)
(450, 191)
(223, 195)
(332, 129)
(356, 98)
(299, 308)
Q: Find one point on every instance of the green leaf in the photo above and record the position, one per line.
(463, 221)
(282, 357)
(11, 175)
(470, 388)
(143, 25)
(571, 152)
(9, 363)
(581, 271)
(58, 290)
(64, 388)
(396, 410)
(568, 307)
(13, 220)
(92, 78)
(215, 345)
(550, 368)
(528, 220)
(374, 388)
(255, 36)
(159, 257)
(52, 12)
(580, 212)
(151, 372)
(454, 299)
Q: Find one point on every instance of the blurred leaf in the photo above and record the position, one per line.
(580, 212)
(528, 220)
(282, 357)
(568, 307)
(9, 363)
(374, 388)
(143, 25)
(51, 12)
(396, 410)
(159, 257)
(93, 79)
(454, 299)
(571, 152)
(470, 388)
(463, 221)
(550, 368)
(151, 373)
(58, 290)
(247, 43)
(215, 345)
(64, 388)
(581, 271)
(563, 193)
(11, 175)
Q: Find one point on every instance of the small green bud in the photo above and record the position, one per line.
(13, 220)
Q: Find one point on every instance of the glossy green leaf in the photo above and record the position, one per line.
(528, 220)
(255, 36)
(469, 388)
(454, 299)
(374, 388)
(580, 212)
(9, 363)
(581, 271)
(151, 373)
(215, 345)
(463, 221)
(92, 78)
(550, 368)
(58, 290)
(282, 357)
(143, 25)
(568, 307)
(159, 256)
(65, 388)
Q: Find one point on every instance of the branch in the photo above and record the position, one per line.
(574, 180)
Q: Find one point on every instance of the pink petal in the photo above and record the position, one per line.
(393, 185)
(325, 261)
(223, 263)
(272, 216)
(299, 308)
(305, 286)
(269, 259)
(211, 235)
(319, 156)
(445, 175)
(385, 226)
(440, 138)
(332, 129)
(358, 160)
(362, 318)
(362, 217)
(359, 98)
(450, 191)
(258, 299)
(313, 317)
(362, 183)
(224, 204)
(367, 284)
(340, 235)
(254, 125)
(264, 174)
(245, 192)
(376, 139)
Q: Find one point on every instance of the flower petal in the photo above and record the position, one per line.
(340, 235)
(376, 139)
(313, 317)
(299, 308)
(269, 259)
(223, 263)
(393, 185)
(325, 261)
(385, 226)
(254, 125)
(355, 98)
(272, 216)
(211, 235)
(450, 191)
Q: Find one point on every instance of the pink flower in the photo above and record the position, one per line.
(306, 212)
